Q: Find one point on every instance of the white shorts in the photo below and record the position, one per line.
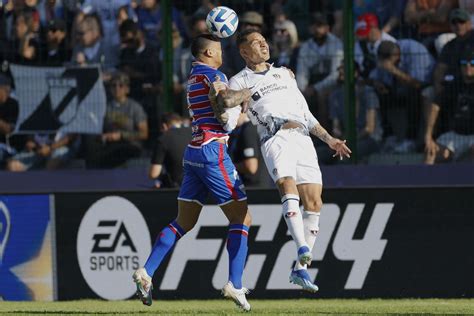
(291, 154)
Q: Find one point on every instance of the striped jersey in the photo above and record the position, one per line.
(205, 127)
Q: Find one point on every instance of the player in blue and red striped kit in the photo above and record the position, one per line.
(207, 168)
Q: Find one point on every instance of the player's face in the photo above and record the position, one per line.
(255, 50)
(217, 53)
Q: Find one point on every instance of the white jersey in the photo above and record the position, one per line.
(275, 100)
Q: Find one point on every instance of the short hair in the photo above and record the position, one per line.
(242, 36)
(128, 26)
(120, 77)
(201, 42)
(387, 49)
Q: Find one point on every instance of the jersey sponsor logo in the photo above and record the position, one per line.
(338, 238)
(256, 96)
(113, 239)
(274, 87)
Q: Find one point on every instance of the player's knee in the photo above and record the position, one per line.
(315, 205)
(248, 219)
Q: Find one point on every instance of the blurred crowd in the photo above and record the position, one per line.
(414, 73)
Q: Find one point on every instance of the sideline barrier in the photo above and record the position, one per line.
(405, 242)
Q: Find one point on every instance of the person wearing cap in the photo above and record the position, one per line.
(56, 52)
(447, 69)
(403, 71)
(452, 113)
(317, 63)
(8, 117)
(251, 19)
(232, 62)
(125, 128)
(428, 18)
(369, 37)
(285, 44)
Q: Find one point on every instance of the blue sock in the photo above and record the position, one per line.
(165, 241)
(237, 249)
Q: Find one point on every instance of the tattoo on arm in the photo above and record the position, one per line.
(232, 98)
(321, 133)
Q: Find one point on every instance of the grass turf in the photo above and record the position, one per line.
(259, 307)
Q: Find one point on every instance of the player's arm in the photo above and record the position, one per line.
(334, 143)
(231, 98)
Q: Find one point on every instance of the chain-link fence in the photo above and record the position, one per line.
(413, 60)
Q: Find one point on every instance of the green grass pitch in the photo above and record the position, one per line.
(259, 307)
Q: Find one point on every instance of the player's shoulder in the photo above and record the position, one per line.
(283, 71)
(241, 78)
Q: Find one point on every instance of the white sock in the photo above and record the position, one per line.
(294, 220)
(311, 228)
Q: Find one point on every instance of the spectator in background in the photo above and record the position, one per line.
(429, 19)
(141, 63)
(8, 116)
(89, 49)
(149, 20)
(455, 109)
(389, 13)
(180, 72)
(368, 124)
(232, 62)
(45, 150)
(369, 37)
(25, 47)
(56, 51)
(244, 149)
(125, 128)
(166, 160)
(50, 10)
(468, 6)
(317, 63)
(403, 70)
(285, 44)
(111, 14)
(447, 69)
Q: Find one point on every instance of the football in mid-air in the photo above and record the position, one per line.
(222, 21)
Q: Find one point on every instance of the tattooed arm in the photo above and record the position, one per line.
(334, 143)
(230, 98)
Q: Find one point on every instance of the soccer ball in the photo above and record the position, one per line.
(222, 22)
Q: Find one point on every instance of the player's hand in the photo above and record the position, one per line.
(340, 147)
(431, 148)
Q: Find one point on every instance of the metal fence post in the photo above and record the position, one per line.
(167, 47)
(349, 81)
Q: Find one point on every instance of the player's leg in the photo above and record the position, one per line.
(192, 195)
(294, 220)
(309, 185)
(188, 214)
(237, 238)
(310, 194)
(280, 159)
(225, 185)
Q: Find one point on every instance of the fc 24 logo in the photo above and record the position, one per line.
(268, 217)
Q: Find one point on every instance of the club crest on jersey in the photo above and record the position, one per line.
(276, 76)
(256, 96)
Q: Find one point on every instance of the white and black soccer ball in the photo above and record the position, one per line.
(222, 21)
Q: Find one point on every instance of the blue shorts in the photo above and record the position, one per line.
(210, 168)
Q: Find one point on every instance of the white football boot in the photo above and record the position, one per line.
(238, 296)
(144, 286)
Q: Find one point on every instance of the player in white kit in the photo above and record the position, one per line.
(280, 112)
